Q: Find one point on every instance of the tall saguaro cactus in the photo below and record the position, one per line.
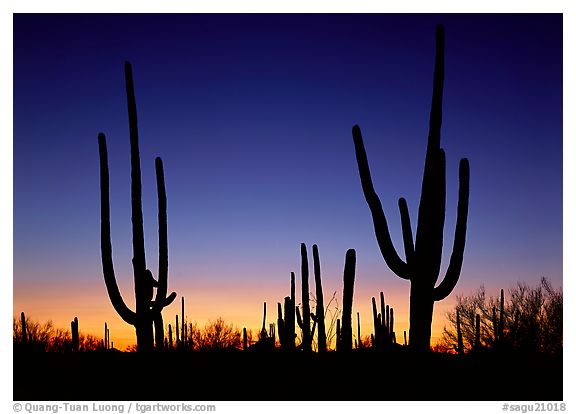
(319, 301)
(347, 297)
(423, 259)
(148, 312)
(305, 326)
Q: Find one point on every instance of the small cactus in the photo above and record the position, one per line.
(501, 324)
(75, 335)
(384, 334)
(338, 336)
(24, 336)
(263, 333)
(359, 344)
(459, 333)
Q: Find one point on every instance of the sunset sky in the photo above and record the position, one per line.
(252, 115)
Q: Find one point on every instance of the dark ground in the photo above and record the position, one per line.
(396, 375)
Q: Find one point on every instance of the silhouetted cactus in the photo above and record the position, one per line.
(405, 341)
(320, 317)
(383, 324)
(460, 348)
(359, 344)
(244, 340)
(183, 321)
(287, 324)
(422, 265)
(273, 334)
(106, 336)
(501, 323)
(338, 336)
(148, 311)
(23, 333)
(177, 334)
(75, 335)
(263, 332)
(348, 294)
(304, 322)
(170, 343)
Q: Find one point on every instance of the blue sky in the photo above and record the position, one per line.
(252, 115)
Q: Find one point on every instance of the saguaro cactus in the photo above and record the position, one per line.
(287, 324)
(347, 297)
(422, 265)
(184, 333)
(319, 301)
(460, 348)
(263, 332)
(501, 323)
(24, 336)
(305, 325)
(383, 323)
(148, 312)
(359, 344)
(75, 335)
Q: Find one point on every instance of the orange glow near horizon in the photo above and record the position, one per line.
(239, 305)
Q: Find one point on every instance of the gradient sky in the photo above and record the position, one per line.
(252, 115)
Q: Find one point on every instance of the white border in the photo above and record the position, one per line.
(566, 7)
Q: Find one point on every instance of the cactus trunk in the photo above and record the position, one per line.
(263, 332)
(159, 332)
(459, 333)
(306, 336)
(359, 337)
(319, 301)
(349, 275)
(75, 335)
(24, 337)
(501, 324)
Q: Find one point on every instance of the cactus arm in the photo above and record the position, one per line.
(380, 224)
(139, 259)
(455, 266)
(168, 301)
(313, 325)
(406, 230)
(105, 242)
(161, 299)
(299, 318)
